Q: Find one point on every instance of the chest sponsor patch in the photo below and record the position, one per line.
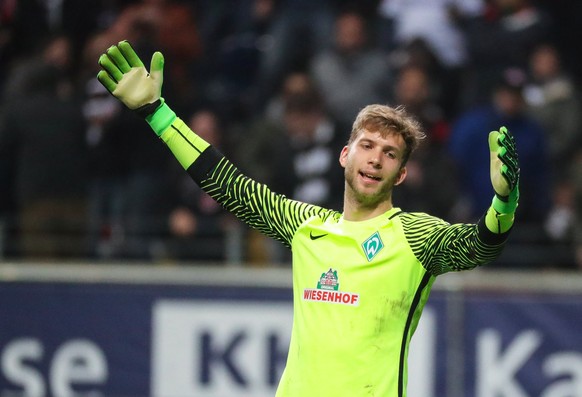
(328, 291)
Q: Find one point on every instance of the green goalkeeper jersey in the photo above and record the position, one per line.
(359, 287)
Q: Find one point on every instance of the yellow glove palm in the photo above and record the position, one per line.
(125, 77)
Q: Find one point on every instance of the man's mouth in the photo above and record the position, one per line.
(370, 176)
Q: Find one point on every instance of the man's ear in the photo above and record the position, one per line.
(401, 176)
(343, 157)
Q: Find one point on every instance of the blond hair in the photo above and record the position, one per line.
(388, 120)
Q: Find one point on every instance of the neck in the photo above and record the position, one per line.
(355, 210)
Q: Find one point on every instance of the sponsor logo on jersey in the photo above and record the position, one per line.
(328, 291)
(316, 236)
(372, 246)
(328, 280)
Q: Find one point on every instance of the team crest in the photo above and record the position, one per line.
(372, 246)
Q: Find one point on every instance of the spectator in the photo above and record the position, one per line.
(436, 22)
(194, 213)
(298, 30)
(577, 200)
(503, 36)
(553, 99)
(506, 108)
(431, 182)
(296, 83)
(352, 73)
(258, 133)
(107, 175)
(169, 25)
(43, 158)
(237, 37)
(142, 184)
(440, 26)
(307, 140)
(302, 163)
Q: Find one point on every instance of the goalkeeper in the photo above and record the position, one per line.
(361, 277)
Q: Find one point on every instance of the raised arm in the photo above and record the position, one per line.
(126, 78)
(442, 247)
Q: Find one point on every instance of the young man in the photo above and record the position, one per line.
(361, 277)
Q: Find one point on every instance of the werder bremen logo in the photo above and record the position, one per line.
(372, 246)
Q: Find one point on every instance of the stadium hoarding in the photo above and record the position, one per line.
(219, 339)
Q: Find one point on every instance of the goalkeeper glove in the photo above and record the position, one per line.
(126, 78)
(504, 171)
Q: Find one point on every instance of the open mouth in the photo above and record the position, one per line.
(370, 176)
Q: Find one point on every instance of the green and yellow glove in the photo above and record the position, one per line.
(504, 170)
(126, 78)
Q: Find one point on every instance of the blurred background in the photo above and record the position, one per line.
(275, 84)
(120, 278)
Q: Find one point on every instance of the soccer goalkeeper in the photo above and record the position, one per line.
(361, 277)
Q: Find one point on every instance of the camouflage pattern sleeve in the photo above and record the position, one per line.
(441, 247)
(252, 202)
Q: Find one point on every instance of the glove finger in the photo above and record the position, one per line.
(507, 140)
(509, 162)
(509, 168)
(115, 54)
(105, 79)
(508, 156)
(509, 175)
(110, 67)
(129, 54)
(494, 141)
(157, 63)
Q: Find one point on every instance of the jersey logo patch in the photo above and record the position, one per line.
(328, 281)
(328, 291)
(316, 236)
(372, 246)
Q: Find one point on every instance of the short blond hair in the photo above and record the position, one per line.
(388, 120)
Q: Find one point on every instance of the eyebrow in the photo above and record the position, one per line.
(385, 147)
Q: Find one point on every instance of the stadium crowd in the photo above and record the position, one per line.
(281, 81)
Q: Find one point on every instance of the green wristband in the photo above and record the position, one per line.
(161, 118)
(504, 207)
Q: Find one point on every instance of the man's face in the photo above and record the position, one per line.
(508, 102)
(373, 167)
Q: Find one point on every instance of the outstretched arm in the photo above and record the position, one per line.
(125, 77)
(446, 247)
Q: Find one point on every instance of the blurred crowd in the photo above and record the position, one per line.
(275, 85)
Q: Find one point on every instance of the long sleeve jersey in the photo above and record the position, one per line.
(359, 288)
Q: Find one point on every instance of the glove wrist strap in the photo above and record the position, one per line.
(506, 206)
(161, 118)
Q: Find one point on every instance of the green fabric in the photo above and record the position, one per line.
(359, 287)
(498, 222)
(161, 118)
(507, 206)
(184, 144)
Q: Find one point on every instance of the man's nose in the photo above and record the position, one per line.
(374, 160)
